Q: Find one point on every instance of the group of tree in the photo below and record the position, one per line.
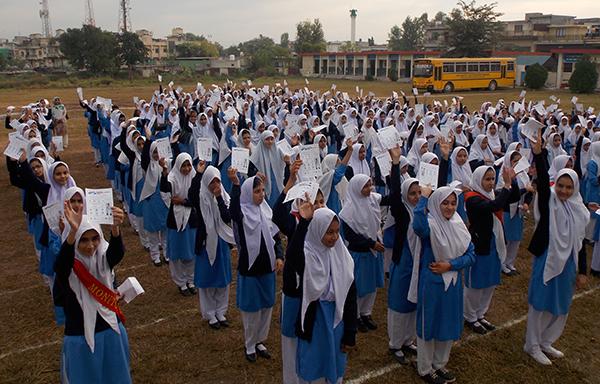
(410, 36)
(99, 51)
(198, 46)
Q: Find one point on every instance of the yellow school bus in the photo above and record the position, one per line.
(448, 75)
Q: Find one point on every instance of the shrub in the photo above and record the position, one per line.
(536, 76)
(585, 76)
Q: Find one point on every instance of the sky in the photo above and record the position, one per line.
(242, 20)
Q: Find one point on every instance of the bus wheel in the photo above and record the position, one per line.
(449, 87)
(492, 86)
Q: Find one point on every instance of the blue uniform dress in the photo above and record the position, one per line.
(217, 275)
(154, 211)
(136, 205)
(592, 189)
(555, 296)
(36, 228)
(368, 272)
(513, 227)
(180, 244)
(275, 192)
(485, 272)
(439, 311)
(290, 308)
(333, 201)
(399, 285)
(322, 356)
(111, 350)
(254, 293)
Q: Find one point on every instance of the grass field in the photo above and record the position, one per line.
(169, 341)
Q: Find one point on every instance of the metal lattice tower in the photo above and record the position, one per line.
(45, 16)
(124, 16)
(89, 14)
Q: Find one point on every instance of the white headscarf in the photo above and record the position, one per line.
(566, 227)
(459, 138)
(257, 224)
(493, 139)
(215, 226)
(267, 161)
(328, 166)
(69, 193)
(359, 167)
(558, 163)
(137, 173)
(414, 155)
(585, 155)
(552, 150)
(449, 238)
(479, 154)
(414, 241)
(97, 266)
(498, 230)
(463, 172)
(152, 176)
(57, 191)
(362, 214)
(328, 272)
(594, 149)
(180, 185)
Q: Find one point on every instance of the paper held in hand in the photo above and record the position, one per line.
(388, 137)
(530, 129)
(285, 147)
(428, 175)
(522, 166)
(204, 148)
(53, 213)
(350, 131)
(163, 146)
(16, 146)
(80, 93)
(58, 143)
(299, 191)
(311, 162)
(384, 160)
(99, 204)
(240, 159)
(130, 289)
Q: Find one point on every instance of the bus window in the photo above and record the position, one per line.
(511, 66)
(484, 66)
(448, 67)
(423, 70)
(495, 66)
(473, 67)
(461, 67)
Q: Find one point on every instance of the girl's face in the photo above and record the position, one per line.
(258, 194)
(404, 169)
(155, 156)
(31, 134)
(484, 144)
(186, 168)
(140, 143)
(319, 200)
(458, 129)
(369, 123)
(492, 130)
(420, 130)
(61, 174)
(448, 206)
(37, 168)
(269, 142)
(586, 147)
(161, 109)
(214, 183)
(514, 159)
(332, 234)
(480, 124)
(434, 161)
(193, 117)
(461, 157)
(323, 143)
(40, 155)
(76, 202)
(203, 120)
(88, 243)
(414, 194)
(489, 180)
(362, 153)
(246, 138)
(556, 141)
(317, 122)
(366, 189)
(424, 148)
(569, 164)
(564, 188)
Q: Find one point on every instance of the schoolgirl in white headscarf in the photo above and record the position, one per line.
(419, 147)
(268, 160)
(357, 162)
(436, 283)
(459, 166)
(554, 147)
(478, 155)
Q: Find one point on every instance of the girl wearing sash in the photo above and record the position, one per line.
(95, 346)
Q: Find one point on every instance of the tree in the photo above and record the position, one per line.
(440, 16)
(348, 47)
(309, 37)
(585, 76)
(474, 30)
(197, 48)
(132, 50)
(90, 48)
(535, 76)
(261, 54)
(395, 39)
(413, 32)
(284, 41)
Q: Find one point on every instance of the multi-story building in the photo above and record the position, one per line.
(39, 52)
(158, 49)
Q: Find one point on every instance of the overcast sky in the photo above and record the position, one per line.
(241, 20)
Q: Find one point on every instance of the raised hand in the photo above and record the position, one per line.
(444, 147)
(536, 147)
(508, 175)
(72, 217)
(201, 166)
(306, 208)
(395, 154)
(232, 175)
(426, 190)
(118, 216)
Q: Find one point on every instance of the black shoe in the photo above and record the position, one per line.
(476, 327)
(192, 289)
(410, 349)
(361, 326)
(165, 260)
(185, 292)
(369, 322)
(399, 357)
(251, 357)
(446, 375)
(262, 353)
(486, 324)
(224, 323)
(594, 273)
(433, 378)
(216, 325)
(157, 263)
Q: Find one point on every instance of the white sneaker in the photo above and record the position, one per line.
(553, 352)
(540, 357)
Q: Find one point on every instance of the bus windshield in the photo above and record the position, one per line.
(423, 69)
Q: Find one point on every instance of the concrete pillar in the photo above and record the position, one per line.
(559, 71)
